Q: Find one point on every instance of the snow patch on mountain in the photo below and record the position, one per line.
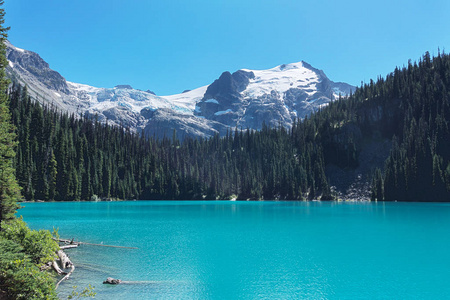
(219, 113)
(16, 48)
(281, 79)
(212, 101)
(185, 102)
(99, 99)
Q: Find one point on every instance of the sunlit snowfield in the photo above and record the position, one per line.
(252, 250)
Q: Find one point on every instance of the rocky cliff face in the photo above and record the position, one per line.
(243, 99)
(31, 63)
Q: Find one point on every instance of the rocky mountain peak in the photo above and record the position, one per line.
(124, 87)
(31, 65)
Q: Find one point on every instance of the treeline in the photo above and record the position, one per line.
(63, 157)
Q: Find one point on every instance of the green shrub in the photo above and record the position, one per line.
(22, 251)
(19, 277)
(14, 230)
(9, 251)
(38, 245)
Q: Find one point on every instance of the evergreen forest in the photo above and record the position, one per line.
(68, 157)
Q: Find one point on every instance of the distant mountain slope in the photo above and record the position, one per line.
(244, 99)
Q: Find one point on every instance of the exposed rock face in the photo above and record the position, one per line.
(124, 86)
(223, 98)
(243, 99)
(32, 63)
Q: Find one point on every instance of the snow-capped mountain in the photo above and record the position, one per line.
(244, 99)
(247, 98)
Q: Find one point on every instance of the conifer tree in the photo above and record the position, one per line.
(9, 189)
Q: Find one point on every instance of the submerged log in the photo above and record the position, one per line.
(111, 280)
(101, 245)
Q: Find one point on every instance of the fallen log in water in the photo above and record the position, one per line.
(65, 264)
(71, 242)
(66, 277)
(68, 246)
(67, 242)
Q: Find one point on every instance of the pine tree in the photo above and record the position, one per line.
(9, 188)
(53, 171)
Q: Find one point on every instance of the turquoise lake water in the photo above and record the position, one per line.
(255, 250)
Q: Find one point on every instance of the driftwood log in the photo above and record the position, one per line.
(57, 268)
(66, 277)
(65, 264)
(64, 260)
(68, 246)
(111, 280)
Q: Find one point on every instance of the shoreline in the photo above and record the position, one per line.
(340, 200)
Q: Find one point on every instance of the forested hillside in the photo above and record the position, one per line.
(410, 109)
(63, 157)
(418, 168)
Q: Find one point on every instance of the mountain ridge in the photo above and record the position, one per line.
(244, 99)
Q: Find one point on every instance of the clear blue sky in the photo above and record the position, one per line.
(168, 46)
